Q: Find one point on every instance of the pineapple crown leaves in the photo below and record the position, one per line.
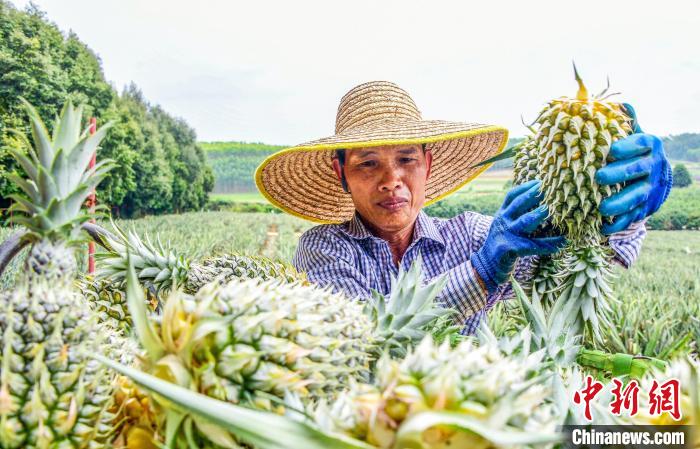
(157, 264)
(553, 332)
(404, 317)
(59, 180)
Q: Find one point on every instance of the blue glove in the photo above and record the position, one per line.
(640, 162)
(508, 236)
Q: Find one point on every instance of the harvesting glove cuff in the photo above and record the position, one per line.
(508, 238)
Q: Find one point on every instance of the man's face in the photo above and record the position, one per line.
(387, 183)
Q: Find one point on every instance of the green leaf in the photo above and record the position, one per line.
(46, 186)
(505, 154)
(44, 149)
(28, 187)
(82, 153)
(66, 131)
(410, 433)
(264, 430)
(136, 302)
(24, 161)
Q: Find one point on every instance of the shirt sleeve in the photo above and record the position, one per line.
(627, 244)
(463, 292)
(328, 262)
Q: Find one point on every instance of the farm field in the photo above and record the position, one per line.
(241, 197)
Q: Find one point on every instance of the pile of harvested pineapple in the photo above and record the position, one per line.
(237, 352)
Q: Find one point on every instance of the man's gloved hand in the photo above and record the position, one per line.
(639, 159)
(508, 236)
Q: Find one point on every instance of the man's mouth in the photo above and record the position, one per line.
(393, 203)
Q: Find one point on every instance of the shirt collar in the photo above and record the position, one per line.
(425, 229)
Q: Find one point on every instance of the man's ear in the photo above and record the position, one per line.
(336, 168)
(428, 162)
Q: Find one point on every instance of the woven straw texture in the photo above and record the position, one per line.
(300, 180)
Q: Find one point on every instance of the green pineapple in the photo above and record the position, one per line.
(250, 341)
(470, 396)
(108, 300)
(571, 142)
(51, 394)
(525, 161)
(162, 269)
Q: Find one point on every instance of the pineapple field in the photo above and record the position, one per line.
(191, 328)
(195, 331)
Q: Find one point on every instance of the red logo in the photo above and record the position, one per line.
(588, 393)
(627, 398)
(663, 398)
(667, 400)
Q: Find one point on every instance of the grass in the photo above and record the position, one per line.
(242, 197)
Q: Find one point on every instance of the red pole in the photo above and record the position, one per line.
(92, 201)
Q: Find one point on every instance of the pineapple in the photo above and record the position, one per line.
(135, 417)
(250, 341)
(162, 269)
(438, 397)
(572, 140)
(525, 161)
(109, 302)
(52, 394)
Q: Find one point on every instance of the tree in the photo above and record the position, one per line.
(681, 176)
(159, 166)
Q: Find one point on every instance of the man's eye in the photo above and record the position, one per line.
(406, 160)
(368, 164)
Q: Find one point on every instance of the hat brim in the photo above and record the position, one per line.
(300, 180)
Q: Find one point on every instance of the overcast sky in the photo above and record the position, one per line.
(274, 71)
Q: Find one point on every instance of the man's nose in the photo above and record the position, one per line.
(390, 180)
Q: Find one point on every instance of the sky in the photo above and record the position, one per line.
(274, 71)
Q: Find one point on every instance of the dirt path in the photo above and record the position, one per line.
(268, 247)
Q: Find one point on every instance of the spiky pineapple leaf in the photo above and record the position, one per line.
(264, 430)
(136, 302)
(505, 154)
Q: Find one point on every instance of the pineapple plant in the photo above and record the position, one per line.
(52, 394)
(162, 269)
(570, 142)
(250, 342)
(436, 397)
(475, 396)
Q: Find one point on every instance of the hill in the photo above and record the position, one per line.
(234, 163)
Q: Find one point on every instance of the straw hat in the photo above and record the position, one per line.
(300, 180)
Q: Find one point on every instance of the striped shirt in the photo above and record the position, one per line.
(348, 258)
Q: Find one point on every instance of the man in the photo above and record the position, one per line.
(370, 180)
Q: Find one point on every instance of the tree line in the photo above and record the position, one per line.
(160, 167)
